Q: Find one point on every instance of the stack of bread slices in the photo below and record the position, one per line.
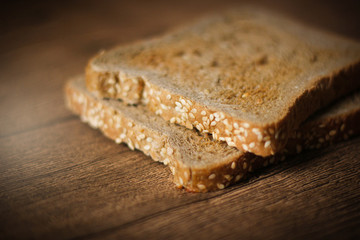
(224, 96)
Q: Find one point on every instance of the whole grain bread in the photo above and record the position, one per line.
(199, 163)
(248, 76)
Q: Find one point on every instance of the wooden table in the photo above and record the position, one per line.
(61, 179)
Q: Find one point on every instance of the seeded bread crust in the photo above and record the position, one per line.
(110, 75)
(198, 163)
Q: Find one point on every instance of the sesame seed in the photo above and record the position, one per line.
(203, 113)
(255, 130)
(137, 145)
(231, 144)
(111, 80)
(215, 136)
(236, 125)
(162, 152)
(142, 136)
(241, 138)
(130, 144)
(204, 119)
(130, 124)
(252, 144)
(181, 181)
(147, 147)
(122, 136)
(266, 138)
(332, 132)
(182, 101)
(206, 124)
(238, 177)
(127, 88)
(220, 186)
(244, 165)
(212, 176)
(228, 177)
(118, 140)
(186, 175)
(233, 165)
(191, 115)
(267, 144)
(134, 80)
(211, 117)
(189, 102)
(245, 147)
(149, 139)
(221, 138)
(172, 120)
(201, 186)
(178, 104)
(158, 112)
(170, 151)
(193, 110)
(213, 123)
(168, 97)
(163, 106)
(246, 125)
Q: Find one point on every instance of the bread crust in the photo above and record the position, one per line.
(174, 105)
(162, 147)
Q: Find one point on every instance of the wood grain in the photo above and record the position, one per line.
(61, 179)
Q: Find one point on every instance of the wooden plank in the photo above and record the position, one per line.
(61, 179)
(303, 198)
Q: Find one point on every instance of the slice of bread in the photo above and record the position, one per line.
(200, 163)
(248, 77)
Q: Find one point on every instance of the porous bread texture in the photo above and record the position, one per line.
(249, 77)
(198, 163)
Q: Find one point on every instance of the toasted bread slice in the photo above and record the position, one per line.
(248, 77)
(198, 163)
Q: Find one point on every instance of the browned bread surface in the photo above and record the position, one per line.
(248, 77)
(198, 163)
